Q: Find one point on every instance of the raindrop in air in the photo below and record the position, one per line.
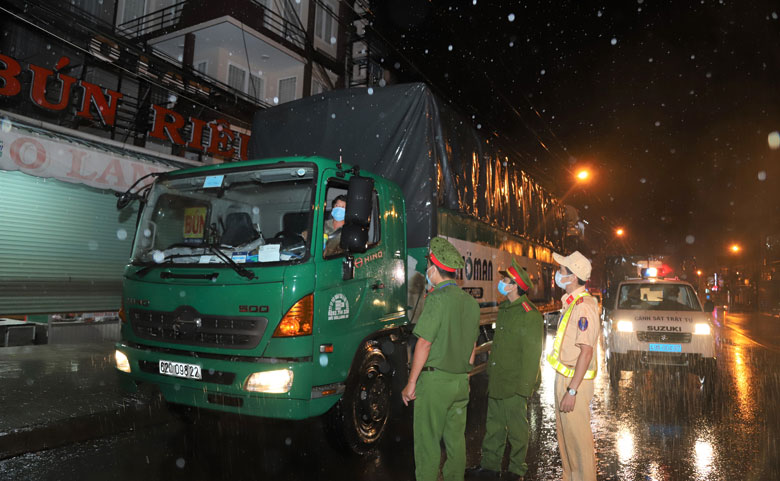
(511, 17)
(689, 239)
(333, 116)
(323, 360)
(762, 175)
(773, 139)
(147, 233)
(288, 441)
(158, 256)
(657, 123)
(180, 463)
(613, 41)
(121, 234)
(449, 47)
(643, 180)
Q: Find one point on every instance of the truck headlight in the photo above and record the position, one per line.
(625, 326)
(273, 382)
(702, 328)
(122, 362)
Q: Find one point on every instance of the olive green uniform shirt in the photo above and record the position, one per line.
(450, 322)
(515, 357)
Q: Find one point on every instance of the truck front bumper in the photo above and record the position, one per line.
(222, 385)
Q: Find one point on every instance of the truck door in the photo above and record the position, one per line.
(349, 305)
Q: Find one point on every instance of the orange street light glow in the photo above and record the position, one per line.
(583, 174)
(698, 273)
(735, 248)
(620, 232)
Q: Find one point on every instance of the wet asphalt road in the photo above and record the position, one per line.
(654, 426)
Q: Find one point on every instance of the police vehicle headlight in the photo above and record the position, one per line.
(625, 326)
(273, 382)
(702, 328)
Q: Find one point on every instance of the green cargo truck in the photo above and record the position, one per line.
(232, 302)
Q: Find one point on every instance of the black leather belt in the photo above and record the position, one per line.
(428, 368)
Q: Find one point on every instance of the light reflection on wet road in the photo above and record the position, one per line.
(654, 426)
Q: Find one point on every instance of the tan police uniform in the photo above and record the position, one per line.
(575, 437)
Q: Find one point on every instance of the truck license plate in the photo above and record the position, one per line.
(666, 347)
(180, 369)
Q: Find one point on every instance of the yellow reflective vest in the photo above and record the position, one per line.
(553, 357)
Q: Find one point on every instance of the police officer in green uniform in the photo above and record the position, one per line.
(447, 333)
(514, 373)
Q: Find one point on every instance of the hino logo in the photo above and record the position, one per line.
(664, 328)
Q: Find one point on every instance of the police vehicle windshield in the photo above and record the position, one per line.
(658, 297)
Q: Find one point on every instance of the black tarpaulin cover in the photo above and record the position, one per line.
(404, 133)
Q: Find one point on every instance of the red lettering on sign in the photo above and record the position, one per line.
(243, 153)
(221, 138)
(114, 169)
(93, 95)
(77, 165)
(196, 137)
(11, 69)
(165, 129)
(17, 153)
(39, 81)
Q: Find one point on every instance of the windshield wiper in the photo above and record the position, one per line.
(167, 261)
(226, 258)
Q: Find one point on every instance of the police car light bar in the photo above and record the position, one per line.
(650, 272)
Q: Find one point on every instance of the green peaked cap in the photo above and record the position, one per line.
(446, 254)
(519, 275)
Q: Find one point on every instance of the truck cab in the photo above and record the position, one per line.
(231, 304)
(654, 323)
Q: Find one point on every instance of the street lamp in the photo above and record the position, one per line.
(583, 175)
(698, 273)
(619, 232)
(735, 248)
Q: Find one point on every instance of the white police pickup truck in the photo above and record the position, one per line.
(658, 322)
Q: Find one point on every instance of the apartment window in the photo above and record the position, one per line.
(236, 77)
(256, 87)
(325, 27)
(132, 9)
(287, 89)
(202, 67)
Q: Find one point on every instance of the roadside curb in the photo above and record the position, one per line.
(133, 415)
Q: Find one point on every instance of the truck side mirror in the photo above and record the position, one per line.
(354, 234)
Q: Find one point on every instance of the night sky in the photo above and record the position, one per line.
(669, 103)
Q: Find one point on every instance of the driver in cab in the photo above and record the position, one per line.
(332, 236)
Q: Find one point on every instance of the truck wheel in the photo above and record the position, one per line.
(357, 421)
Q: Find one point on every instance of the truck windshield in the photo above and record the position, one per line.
(658, 297)
(255, 216)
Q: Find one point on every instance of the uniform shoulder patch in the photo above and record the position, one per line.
(580, 300)
(527, 306)
(583, 323)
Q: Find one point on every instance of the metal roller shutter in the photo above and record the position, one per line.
(62, 246)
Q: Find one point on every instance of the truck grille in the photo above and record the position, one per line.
(186, 326)
(670, 337)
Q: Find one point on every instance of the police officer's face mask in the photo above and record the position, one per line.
(428, 279)
(558, 281)
(505, 287)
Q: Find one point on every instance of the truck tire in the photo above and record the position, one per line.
(358, 420)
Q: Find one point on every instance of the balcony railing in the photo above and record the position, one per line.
(185, 14)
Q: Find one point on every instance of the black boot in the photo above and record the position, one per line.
(478, 472)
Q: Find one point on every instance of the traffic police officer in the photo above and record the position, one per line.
(514, 372)
(573, 358)
(447, 333)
